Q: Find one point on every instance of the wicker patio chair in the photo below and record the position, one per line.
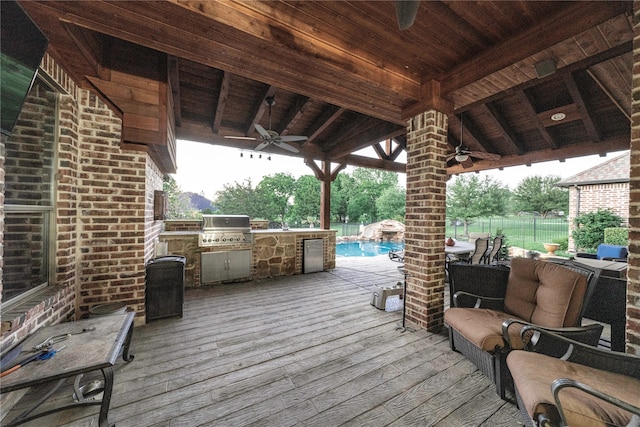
(575, 384)
(530, 292)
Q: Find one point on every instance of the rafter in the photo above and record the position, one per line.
(259, 108)
(294, 114)
(222, 101)
(527, 103)
(500, 122)
(583, 110)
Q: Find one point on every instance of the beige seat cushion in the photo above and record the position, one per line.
(533, 374)
(482, 327)
(544, 293)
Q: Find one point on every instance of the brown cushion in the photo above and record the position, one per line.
(533, 374)
(482, 327)
(544, 293)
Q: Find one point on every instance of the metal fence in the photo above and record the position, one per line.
(518, 229)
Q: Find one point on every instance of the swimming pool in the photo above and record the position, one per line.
(360, 249)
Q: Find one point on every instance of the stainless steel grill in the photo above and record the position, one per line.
(225, 230)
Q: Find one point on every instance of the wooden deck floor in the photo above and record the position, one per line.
(306, 350)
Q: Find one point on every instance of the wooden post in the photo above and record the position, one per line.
(326, 177)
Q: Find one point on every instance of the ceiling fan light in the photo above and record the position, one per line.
(462, 158)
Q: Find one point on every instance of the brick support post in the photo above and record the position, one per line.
(425, 219)
(633, 271)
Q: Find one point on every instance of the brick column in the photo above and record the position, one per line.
(633, 271)
(425, 219)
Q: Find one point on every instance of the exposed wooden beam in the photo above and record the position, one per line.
(557, 28)
(294, 114)
(583, 110)
(624, 110)
(527, 104)
(368, 162)
(500, 122)
(570, 111)
(566, 152)
(222, 101)
(368, 136)
(325, 120)
(173, 74)
(259, 108)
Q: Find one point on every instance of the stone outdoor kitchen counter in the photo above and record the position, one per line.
(274, 252)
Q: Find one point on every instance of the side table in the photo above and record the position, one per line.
(93, 350)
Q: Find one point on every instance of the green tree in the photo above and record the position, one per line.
(238, 199)
(275, 193)
(589, 227)
(368, 185)
(469, 197)
(540, 194)
(306, 198)
(179, 205)
(340, 191)
(392, 203)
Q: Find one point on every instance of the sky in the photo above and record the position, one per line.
(205, 169)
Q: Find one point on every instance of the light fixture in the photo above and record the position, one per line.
(558, 117)
(462, 157)
(251, 156)
(259, 156)
(241, 154)
(269, 158)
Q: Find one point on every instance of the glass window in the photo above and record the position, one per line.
(29, 172)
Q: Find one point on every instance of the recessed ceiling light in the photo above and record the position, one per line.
(558, 116)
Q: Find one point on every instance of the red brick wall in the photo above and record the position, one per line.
(425, 219)
(633, 272)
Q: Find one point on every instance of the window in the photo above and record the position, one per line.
(29, 202)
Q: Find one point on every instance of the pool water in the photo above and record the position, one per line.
(360, 249)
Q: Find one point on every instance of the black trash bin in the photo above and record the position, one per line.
(164, 287)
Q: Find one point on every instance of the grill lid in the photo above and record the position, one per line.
(226, 223)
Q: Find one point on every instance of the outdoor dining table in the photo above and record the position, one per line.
(459, 248)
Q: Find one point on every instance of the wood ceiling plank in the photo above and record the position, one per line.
(572, 20)
(293, 115)
(500, 122)
(326, 119)
(173, 74)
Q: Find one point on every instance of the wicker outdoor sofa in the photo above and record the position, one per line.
(492, 303)
(585, 386)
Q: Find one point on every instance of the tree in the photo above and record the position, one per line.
(179, 204)
(238, 199)
(368, 185)
(589, 228)
(469, 197)
(540, 194)
(340, 190)
(275, 192)
(306, 198)
(392, 203)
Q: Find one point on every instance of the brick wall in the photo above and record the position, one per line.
(112, 203)
(425, 219)
(590, 198)
(633, 272)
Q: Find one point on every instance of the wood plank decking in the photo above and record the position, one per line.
(305, 350)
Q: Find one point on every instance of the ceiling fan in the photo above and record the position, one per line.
(271, 137)
(463, 155)
(406, 11)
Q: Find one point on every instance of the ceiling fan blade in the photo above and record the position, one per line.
(262, 131)
(261, 146)
(467, 163)
(451, 156)
(484, 155)
(406, 11)
(246, 138)
(292, 138)
(286, 146)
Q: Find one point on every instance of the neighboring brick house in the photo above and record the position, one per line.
(605, 186)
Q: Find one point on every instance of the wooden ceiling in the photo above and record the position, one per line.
(344, 75)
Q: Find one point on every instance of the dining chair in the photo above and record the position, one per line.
(479, 253)
(494, 252)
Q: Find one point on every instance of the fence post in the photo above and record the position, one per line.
(535, 236)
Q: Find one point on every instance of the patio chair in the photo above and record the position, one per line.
(479, 253)
(474, 235)
(587, 386)
(494, 252)
(488, 312)
(397, 255)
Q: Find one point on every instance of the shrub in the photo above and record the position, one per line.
(563, 242)
(616, 236)
(589, 228)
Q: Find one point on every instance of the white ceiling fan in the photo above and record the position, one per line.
(271, 137)
(463, 155)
